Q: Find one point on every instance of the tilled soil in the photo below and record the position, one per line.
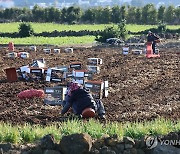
(139, 88)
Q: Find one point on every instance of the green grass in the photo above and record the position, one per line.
(136, 28)
(49, 40)
(30, 133)
(49, 27)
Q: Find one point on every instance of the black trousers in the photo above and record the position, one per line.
(100, 107)
(154, 47)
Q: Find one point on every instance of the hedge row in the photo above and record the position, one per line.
(156, 30)
(87, 32)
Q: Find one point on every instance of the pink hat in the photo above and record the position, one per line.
(72, 87)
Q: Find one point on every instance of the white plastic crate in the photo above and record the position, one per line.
(57, 51)
(75, 65)
(47, 51)
(33, 48)
(137, 52)
(11, 55)
(94, 61)
(93, 69)
(23, 55)
(125, 50)
(68, 50)
(55, 95)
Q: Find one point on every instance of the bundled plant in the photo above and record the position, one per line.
(25, 30)
(119, 31)
(108, 32)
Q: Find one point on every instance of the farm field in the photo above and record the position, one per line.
(50, 40)
(69, 40)
(49, 27)
(139, 88)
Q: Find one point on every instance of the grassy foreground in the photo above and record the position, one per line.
(30, 133)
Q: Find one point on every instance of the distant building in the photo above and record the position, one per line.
(6, 3)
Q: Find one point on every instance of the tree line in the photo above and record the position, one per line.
(148, 14)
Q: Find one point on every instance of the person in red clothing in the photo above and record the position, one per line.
(79, 99)
(152, 38)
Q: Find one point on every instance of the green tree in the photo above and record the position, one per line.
(1, 14)
(73, 14)
(170, 15)
(25, 30)
(108, 32)
(8, 13)
(131, 15)
(123, 13)
(116, 18)
(122, 30)
(89, 15)
(106, 15)
(64, 15)
(145, 13)
(25, 16)
(13, 13)
(161, 11)
(138, 16)
(113, 32)
(38, 14)
(149, 14)
(98, 15)
(52, 14)
(152, 15)
(177, 14)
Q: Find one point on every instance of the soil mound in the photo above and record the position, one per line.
(139, 88)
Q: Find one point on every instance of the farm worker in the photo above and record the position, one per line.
(79, 99)
(152, 38)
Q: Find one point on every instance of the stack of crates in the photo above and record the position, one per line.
(75, 66)
(37, 73)
(55, 95)
(56, 74)
(79, 76)
(93, 65)
(99, 89)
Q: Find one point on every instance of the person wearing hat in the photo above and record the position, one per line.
(79, 99)
(152, 38)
